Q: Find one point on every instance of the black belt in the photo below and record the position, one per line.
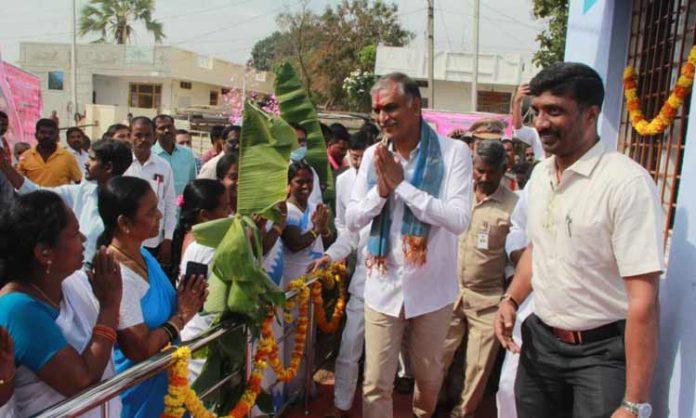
(604, 332)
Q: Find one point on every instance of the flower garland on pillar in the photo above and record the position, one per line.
(669, 109)
(180, 397)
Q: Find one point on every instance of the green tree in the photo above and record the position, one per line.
(114, 19)
(265, 51)
(327, 48)
(552, 39)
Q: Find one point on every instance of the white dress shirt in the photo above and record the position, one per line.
(601, 223)
(517, 237)
(83, 200)
(348, 241)
(530, 136)
(81, 157)
(209, 169)
(432, 286)
(158, 173)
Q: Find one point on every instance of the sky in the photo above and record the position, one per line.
(228, 29)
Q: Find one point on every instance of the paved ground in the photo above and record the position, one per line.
(323, 402)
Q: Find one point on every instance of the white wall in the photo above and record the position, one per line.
(598, 33)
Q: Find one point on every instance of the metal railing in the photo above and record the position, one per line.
(98, 395)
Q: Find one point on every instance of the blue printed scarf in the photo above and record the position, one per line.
(427, 177)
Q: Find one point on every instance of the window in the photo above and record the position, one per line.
(185, 85)
(662, 32)
(493, 102)
(55, 80)
(214, 95)
(147, 96)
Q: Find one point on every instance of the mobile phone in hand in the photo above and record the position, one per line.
(195, 269)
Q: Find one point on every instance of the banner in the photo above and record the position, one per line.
(20, 98)
(446, 122)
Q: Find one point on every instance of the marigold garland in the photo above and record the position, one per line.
(180, 397)
(669, 109)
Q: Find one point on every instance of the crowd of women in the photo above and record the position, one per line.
(82, 299)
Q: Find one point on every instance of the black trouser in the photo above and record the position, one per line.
(558, 380)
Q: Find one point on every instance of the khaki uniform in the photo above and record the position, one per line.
(481, 264)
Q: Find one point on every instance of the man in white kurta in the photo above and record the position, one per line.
(401, 295)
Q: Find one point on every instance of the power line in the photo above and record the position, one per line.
(444, 25)
(236, 26)
(201, 11)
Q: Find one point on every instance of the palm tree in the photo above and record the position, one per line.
(114, 19)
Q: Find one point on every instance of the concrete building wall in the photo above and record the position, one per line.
(112, 67)
(453, 73)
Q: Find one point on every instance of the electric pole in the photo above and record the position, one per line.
(474, 62)
(431, 54)
(73, 65)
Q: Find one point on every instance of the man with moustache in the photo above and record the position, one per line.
(75, 139)
(481, 265)
(158, 173)
(595, 227)
(413, 191)
(179, 157)
(48, 164)
(107, 158)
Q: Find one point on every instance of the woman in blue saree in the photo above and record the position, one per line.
(152, 312)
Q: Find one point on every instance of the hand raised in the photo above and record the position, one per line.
(190, 296)
(106, 279)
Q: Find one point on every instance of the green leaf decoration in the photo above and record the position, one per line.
(237, 279)
(296, 107)
(265, 147)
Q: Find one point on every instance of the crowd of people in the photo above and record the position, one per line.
(448, 235)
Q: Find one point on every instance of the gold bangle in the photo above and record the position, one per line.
(314, 234)
(3, 382)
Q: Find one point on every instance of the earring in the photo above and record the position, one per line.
(48, 267)
(127, 231)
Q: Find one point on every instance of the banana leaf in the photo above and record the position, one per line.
(237, 282)
(265, 147)
(296, 107)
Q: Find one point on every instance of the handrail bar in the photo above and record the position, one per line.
(108, 389)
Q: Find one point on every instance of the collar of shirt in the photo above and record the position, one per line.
(583, 166)
(147, 162)
(157, 148)
(57, 153)
(497, 195)
(412, 154)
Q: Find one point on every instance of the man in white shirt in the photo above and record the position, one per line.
(75, 137)
(595, 228)
(159, 174)
(419, 183)
(108, 159)
(353, 337)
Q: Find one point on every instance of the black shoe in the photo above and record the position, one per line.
(404, 385)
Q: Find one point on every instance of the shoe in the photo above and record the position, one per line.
(404, 385)
(336, 413)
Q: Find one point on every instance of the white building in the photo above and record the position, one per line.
(115, 80)
(498, 76)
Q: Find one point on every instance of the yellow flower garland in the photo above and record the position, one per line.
(180, 397)
(669, 109)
